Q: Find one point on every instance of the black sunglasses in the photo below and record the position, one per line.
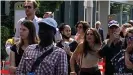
(130, 38)
(29, 7)
(80, 27)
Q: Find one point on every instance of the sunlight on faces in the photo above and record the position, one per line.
(29, 8)
(47, 14)
(80, 28)
(114, 29)
(67, 31)
(24, 32)
(90, 36)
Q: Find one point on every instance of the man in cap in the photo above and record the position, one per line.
(55, 60)
(111, 47)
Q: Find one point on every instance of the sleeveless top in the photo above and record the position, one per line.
(90, 60)
(18, 55)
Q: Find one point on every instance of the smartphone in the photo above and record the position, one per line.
(66, 44)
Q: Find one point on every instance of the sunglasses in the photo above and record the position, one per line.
(79, 27)
(130, 38)
(29, 7)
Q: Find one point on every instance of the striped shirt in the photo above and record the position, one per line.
(53, 64)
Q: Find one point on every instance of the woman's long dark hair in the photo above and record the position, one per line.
(97, 40)
(32, 36)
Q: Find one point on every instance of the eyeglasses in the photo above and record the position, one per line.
(29, 7)
(79, 27)
(130, 38)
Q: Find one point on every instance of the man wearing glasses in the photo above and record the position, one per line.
(48, 14)
(30, 9)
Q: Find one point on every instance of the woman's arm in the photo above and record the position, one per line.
(74, 57)
(12, 67)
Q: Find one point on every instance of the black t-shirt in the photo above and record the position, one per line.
(72, 46)
(18, 55)
(108, 53)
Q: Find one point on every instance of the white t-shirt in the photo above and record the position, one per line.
(17, 27)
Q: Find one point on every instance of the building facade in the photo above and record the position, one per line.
(71, 12)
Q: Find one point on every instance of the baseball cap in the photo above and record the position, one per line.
(49, 21)
(113, 23)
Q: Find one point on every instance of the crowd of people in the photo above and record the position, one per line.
(42, 48)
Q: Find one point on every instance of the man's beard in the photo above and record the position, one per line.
(65, 37)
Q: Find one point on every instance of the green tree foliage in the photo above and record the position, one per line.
(4, 36)
(7, 28)
(47, 6)
(116, 7)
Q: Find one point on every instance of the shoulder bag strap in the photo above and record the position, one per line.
(40, 59)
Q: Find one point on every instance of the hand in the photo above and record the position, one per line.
(73, 73)
(128, 63)
(12, 69)
(67, 50)
(78, 59)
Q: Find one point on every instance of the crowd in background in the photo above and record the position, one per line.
(39, 47)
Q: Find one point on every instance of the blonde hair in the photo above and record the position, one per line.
(98, 22)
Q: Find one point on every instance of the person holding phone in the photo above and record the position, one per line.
(111, 46)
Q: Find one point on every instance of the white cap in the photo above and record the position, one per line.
(49, 21)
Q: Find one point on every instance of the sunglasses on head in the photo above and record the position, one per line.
(29, 7)
(130, 38)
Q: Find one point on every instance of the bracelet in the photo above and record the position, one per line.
(72, 72)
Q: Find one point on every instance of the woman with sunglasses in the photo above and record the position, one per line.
(27, 37)
(129, 49)
(87, 52)
(81, 27)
